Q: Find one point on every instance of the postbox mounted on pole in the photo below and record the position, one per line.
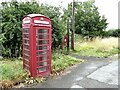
(36, 42)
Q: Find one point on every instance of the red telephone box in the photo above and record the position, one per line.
(36, 41)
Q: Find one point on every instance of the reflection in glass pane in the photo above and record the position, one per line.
(26, 57)
(41, 47)
(25, 41)
(25, 35)
(42, 64)
(44, 36)
(41, 69)
(26, 52)
(42, 42)
(45, 57)
(42, 53)
(26, 30)
(26, 46)
(42, 31)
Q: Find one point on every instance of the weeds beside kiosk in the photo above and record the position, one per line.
(36, 44)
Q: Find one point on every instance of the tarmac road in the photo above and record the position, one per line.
(93, 73)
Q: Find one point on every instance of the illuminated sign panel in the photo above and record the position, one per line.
(41, 22)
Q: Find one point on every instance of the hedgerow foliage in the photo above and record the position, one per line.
(112, 33)
(12, 14)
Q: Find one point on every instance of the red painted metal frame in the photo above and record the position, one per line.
(33, 44)
(48, 53)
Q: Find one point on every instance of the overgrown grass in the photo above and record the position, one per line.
(61, 62)
(98, 47)
(12, 71)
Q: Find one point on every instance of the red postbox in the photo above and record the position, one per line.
(65, 39)
(36, 41)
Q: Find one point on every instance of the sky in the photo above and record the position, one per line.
(109, 8)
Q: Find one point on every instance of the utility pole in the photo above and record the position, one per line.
(73, 25)
(68, 35)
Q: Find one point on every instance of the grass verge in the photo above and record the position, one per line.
(60, 62)
(12, 71)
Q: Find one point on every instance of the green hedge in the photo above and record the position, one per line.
(12, 14)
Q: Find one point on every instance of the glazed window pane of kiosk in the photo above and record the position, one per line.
(42, 39)
(45, 57)
(42, 47)
(42, 42)
(26, 48)
(36, 41)
(42, 53)
(41, 31)
(26, 35)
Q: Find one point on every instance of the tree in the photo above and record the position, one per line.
(88, 21)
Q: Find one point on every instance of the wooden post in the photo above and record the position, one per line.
(118, 31)
(73, 25)
(68, 35)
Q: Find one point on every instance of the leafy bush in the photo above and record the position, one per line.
(12, 14)
(112, 33)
